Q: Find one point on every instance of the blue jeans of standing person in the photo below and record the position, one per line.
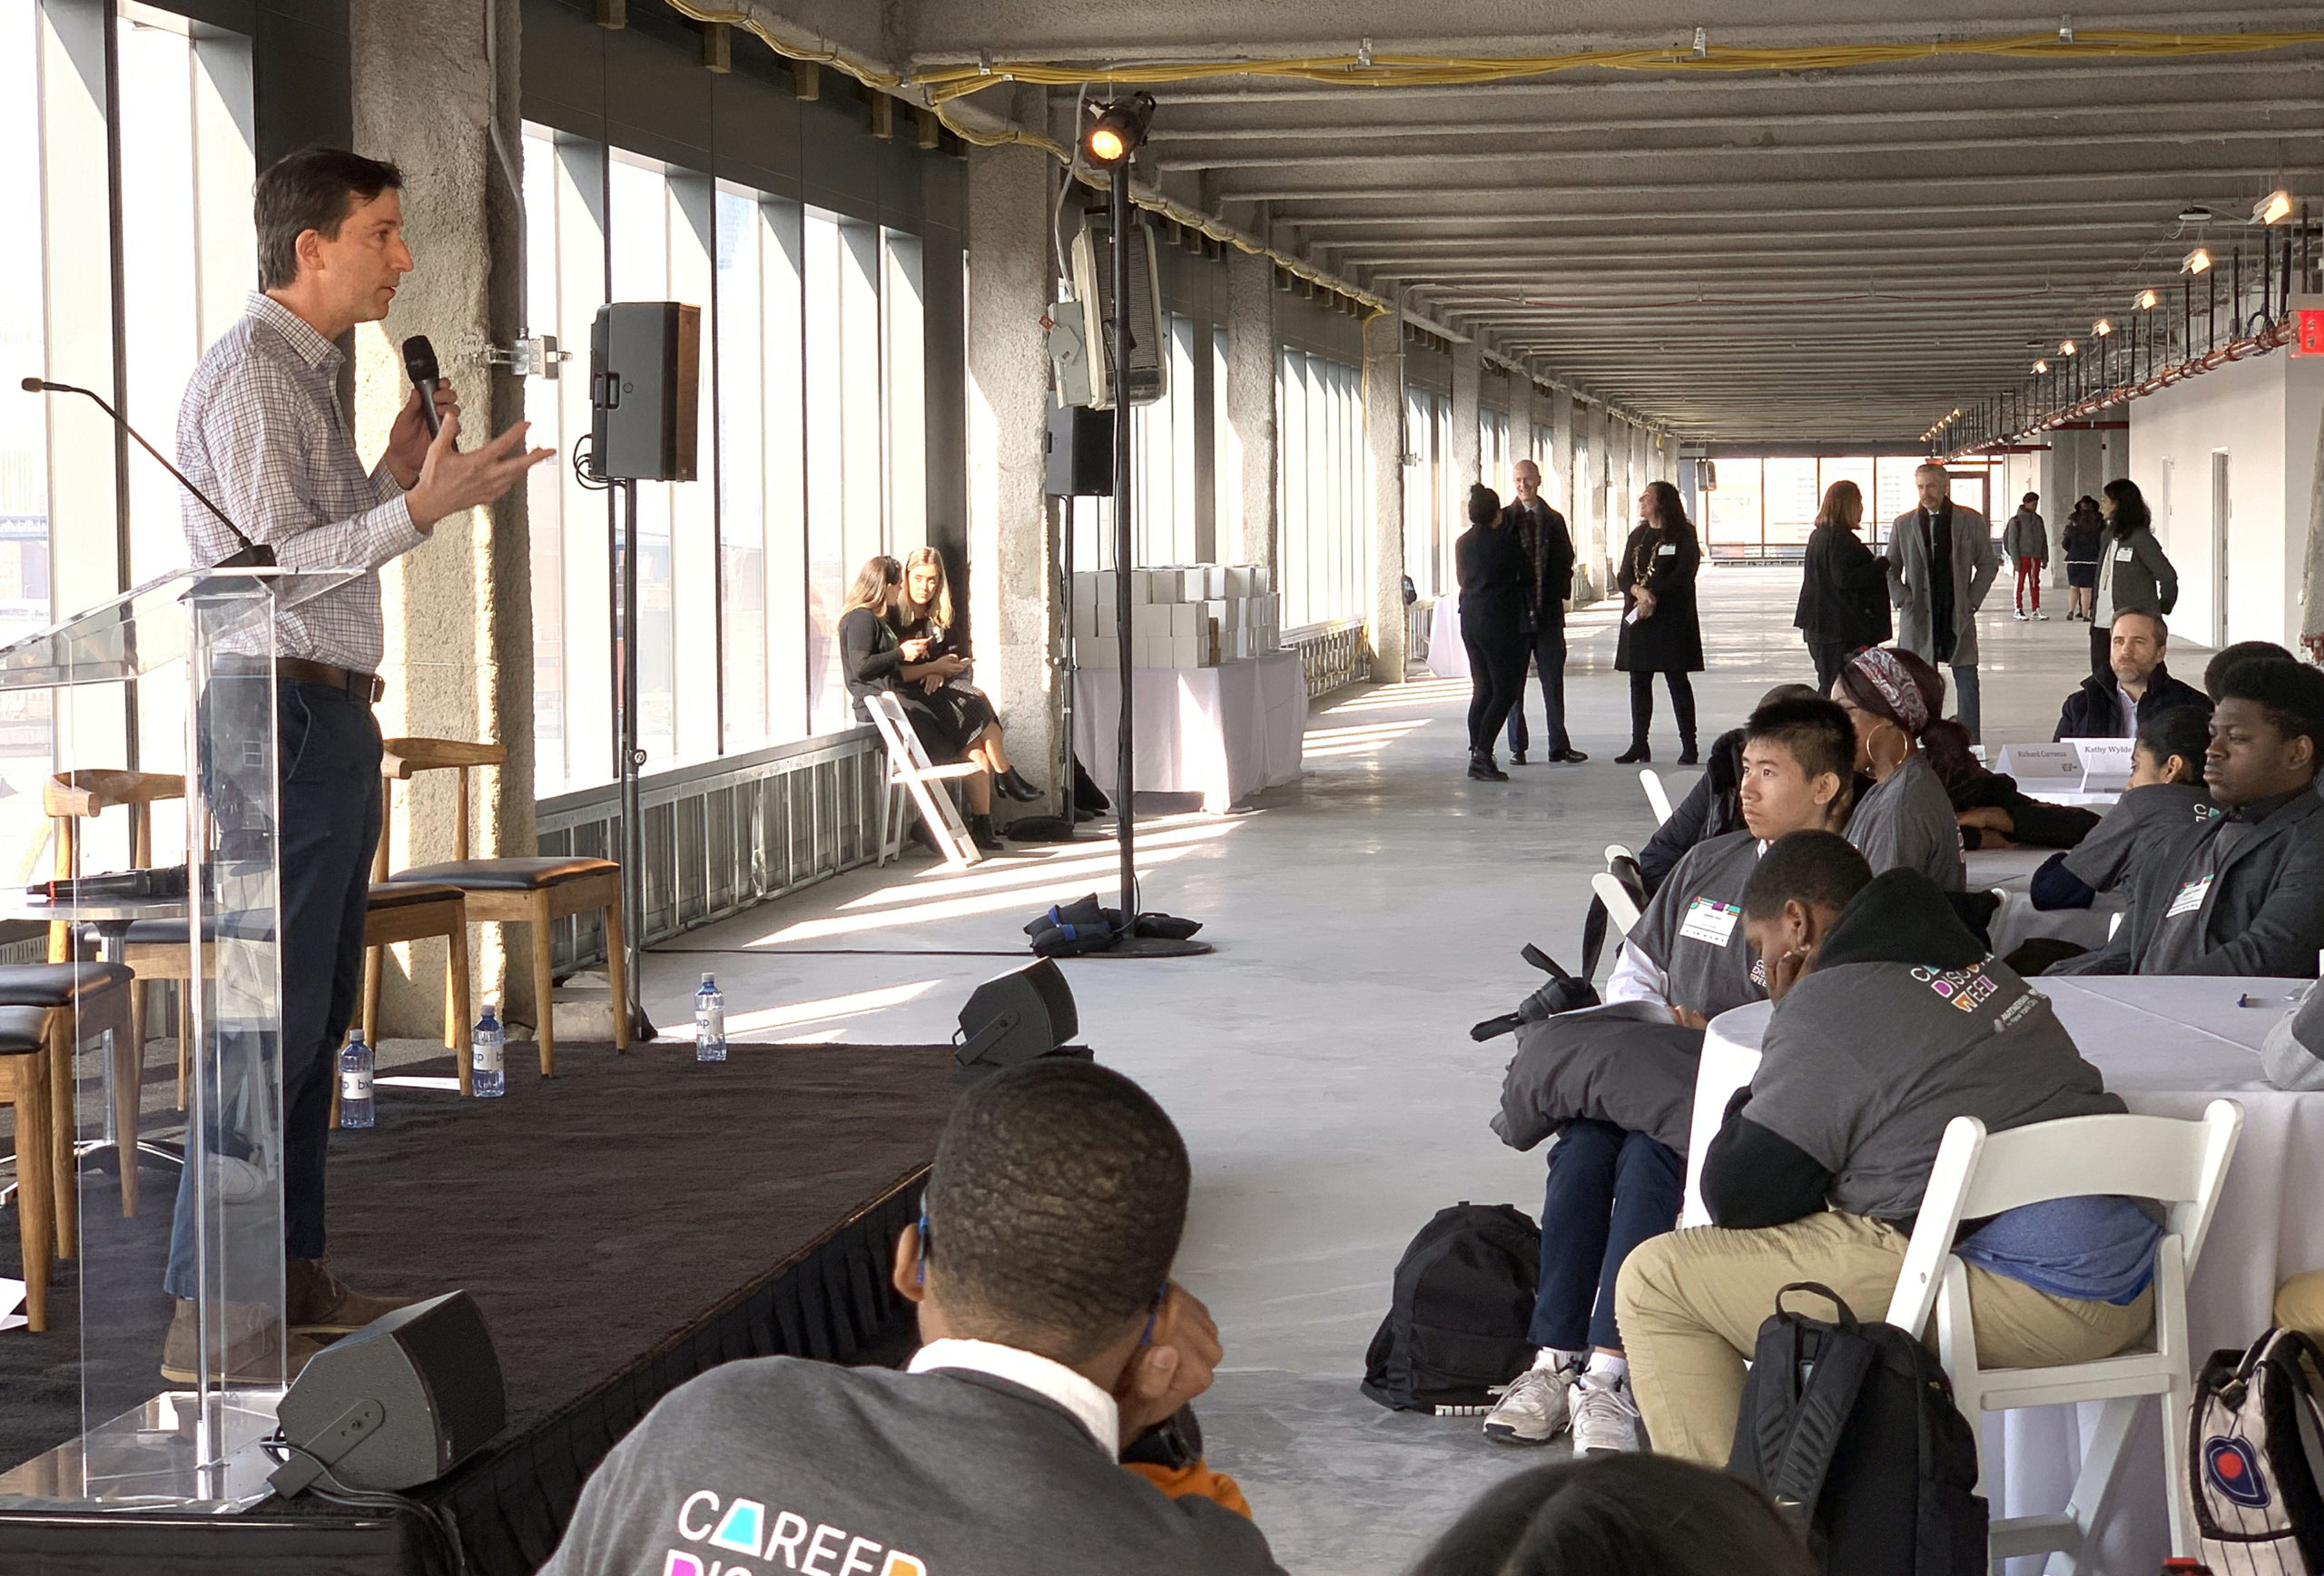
(1610, 1189)
(327, 826)
(1965, 700)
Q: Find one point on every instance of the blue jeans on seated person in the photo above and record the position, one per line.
(1610, 1189)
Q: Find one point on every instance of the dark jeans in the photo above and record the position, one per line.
(328, 762)
(1610, 1189)
(2102, 651)
(1682, 704)
(1547, 649)
(1830, 656)
(1496, 681)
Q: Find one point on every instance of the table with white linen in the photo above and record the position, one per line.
(2009, 871)
(1447, 656)
(1223, 733)
(2169, 1046)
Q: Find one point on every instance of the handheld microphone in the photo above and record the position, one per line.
(419, 364)
(250, 555)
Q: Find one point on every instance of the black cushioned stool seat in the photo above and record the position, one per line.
(513, 875)
(22, 1029)
(56, 984)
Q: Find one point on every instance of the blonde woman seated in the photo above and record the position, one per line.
(923, 612)
(874, 658)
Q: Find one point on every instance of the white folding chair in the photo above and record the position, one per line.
(1615, 851)
(911, 779)
(1621, 912)
(1657, 799)
(2180, 1164)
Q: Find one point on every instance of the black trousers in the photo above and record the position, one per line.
(1496, 683)
(1682, 705)
(1830, 656)
(2101, 650)
(328, 763)
(1548, 648)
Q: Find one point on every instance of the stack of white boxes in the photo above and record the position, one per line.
(1179, 617)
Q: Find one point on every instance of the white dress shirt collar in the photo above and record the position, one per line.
(1090, 1406)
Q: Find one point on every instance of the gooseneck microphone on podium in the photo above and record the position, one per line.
(420, 365)
(249, 555)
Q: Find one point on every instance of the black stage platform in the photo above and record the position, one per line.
(624, 1227)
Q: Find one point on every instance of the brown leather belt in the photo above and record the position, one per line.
(367, 686)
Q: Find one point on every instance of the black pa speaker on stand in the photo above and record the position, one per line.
(1018, 1017)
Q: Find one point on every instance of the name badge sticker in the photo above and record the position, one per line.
(2123, 555)
(2189, 899)
(1667, 550)
(1712, 924)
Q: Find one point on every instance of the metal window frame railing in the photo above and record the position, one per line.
(725, 834)
(1332, 653)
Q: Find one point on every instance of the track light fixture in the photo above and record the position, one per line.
(2147, 300)
(2195, 261)
(2066, 348)
(2041, 369)
(1116, 128)
(2273, 209)
(2101, 329)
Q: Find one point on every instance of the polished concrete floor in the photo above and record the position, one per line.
(1319, 1062)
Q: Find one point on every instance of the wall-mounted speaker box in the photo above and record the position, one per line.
(1080, 451)
(645, 378)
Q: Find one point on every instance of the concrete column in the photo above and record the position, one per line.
(1384, 412)
(1520, 421)
(1572, 496)
(1250, 536)
(1466, 367)
(1012, 573)
(458, 610)
(1613, 524)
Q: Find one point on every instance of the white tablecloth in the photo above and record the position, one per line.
(1223, 732)
(2017, 921)
(1447, 657)
(1991, 867)
(2168, 1047)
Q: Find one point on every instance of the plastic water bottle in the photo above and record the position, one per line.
(487, 1045)
(355, 1064)
(709, 1022)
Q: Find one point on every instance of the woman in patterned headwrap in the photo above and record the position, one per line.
(1905, 819)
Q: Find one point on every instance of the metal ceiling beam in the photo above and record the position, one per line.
(2217, 174)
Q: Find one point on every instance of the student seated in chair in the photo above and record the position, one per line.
(1889, 1021)
(1611, 1186)
(2241, 892)
(1056, 1347)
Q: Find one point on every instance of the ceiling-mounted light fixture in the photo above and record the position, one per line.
(2147, 300)
(2195, 261)
(2273, 209)
(2101, 329)
(2041, 369)
(2194, 213)
(1116, 128)
(2066, 348)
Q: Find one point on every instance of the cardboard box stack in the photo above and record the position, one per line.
(1200, 617)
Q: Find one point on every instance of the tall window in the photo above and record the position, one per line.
(1327, 557)
(813, 458)
(1163, 507)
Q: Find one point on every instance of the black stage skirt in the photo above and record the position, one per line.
(949, 721)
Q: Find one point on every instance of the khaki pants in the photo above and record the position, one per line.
(2300, 1305)
(1690, 1305)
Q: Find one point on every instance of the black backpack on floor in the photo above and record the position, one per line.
(1852, 1430)
(1457, 1320)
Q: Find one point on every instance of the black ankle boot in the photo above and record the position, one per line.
(1686, 756)
(980, 833)
(1013, 784)
(1637, 752)
(1482, 770)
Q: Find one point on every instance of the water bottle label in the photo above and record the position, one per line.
(354, 1086)
(488, 1056)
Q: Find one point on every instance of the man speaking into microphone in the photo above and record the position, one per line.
(261, 431)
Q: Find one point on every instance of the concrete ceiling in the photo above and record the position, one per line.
(1835, 255)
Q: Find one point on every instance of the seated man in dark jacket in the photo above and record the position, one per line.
(1889, 1022)
(2241, 892)
(1619, 1091)
(2137, 683)
(1055, 1346)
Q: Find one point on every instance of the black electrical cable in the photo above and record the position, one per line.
(328, 1487)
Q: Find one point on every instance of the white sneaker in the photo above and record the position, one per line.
(2042, 618)
(1605, 1417)
(2019, 616)
(1533, 1409)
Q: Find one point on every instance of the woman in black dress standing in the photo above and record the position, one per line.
(1660, 633)
(1842, 588)
(875, 660)
(1492, 568)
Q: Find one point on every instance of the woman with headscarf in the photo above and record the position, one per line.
(1492, 568)
(1907, 818)
(1660, 633)
(2134, 573)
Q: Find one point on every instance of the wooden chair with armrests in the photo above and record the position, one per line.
(154, 948)
(535, 891)
(66, 1006)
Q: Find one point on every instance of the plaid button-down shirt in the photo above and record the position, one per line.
(261, 430)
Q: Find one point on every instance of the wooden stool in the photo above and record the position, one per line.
(536, 891)
(82, 1001)
(410, 911)
(24, 1084)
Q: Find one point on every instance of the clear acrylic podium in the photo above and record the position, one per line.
(184, 666)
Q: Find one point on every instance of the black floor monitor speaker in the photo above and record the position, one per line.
(1080, 451)
(644, 374)
(1017, 1018)
(398, 1402)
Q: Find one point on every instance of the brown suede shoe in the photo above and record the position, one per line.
(248, 1350)
(316, 1302)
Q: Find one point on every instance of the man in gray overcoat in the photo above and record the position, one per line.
(1936, 612)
